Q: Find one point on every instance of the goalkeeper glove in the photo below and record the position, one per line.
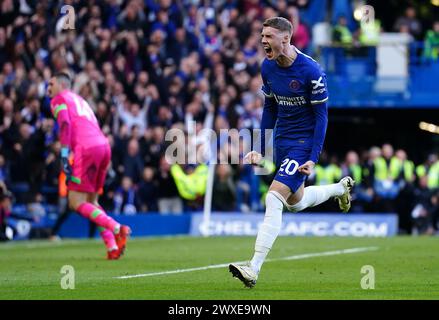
(65, 163)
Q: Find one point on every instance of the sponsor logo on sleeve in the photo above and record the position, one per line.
(318, 86)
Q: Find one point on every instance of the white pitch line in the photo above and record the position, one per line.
(223, 265)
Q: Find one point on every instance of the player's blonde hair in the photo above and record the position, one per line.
(279, 23)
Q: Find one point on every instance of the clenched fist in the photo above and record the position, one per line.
(253, 157)
(307, 167)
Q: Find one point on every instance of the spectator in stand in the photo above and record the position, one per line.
(153, 146)
(351, 167)
(224, 190)
(301, 37)
(341, 35)
(424, 212)
(327, 171)
(429, 168)
(406, 175)
(210, 41)
(163, 23)
(168, 199)
(147, 191)
(405, 180)
(369, 32)
(385, 172)
(132, 18)
(36, 209)
(27, 158)
(125, 198)
(410, 22)
(132, 114)
(230, 45)
(431, 42)
(363, 193)
(132, 161)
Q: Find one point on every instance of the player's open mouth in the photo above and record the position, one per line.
(268, 50)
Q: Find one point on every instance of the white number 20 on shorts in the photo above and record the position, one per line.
(286, 166)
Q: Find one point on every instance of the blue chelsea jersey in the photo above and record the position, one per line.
(295, 90)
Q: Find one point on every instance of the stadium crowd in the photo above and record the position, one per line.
(148, 66)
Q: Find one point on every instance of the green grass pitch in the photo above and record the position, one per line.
(405, 268)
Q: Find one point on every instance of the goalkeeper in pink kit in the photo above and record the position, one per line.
(80, 134)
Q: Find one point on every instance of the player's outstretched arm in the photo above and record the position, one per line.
(321, 113)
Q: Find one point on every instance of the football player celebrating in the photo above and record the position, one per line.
(296, 102)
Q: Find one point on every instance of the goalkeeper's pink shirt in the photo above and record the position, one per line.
(77, 122)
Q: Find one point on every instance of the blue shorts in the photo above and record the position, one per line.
(288, 160)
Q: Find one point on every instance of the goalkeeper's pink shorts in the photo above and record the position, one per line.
(90, 166)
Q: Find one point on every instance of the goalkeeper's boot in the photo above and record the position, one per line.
(113, 254)
(244, 273)
(122, 238)
(344, 201)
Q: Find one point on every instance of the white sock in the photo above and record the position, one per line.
(269, 229)
(315, 195)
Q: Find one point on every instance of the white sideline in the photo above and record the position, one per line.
(223, 265)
